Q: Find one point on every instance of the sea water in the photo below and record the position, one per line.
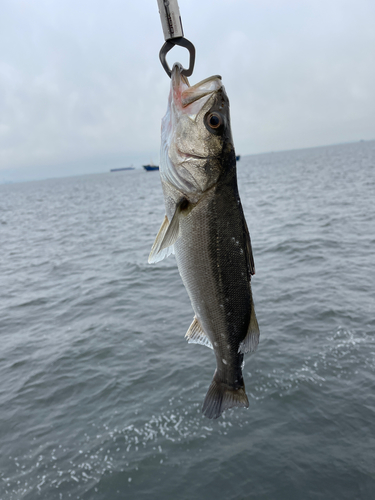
(100, 395)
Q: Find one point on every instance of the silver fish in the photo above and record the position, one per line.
(206, 229)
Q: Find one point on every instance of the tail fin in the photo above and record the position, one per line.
(220, 397)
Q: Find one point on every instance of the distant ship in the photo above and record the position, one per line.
(238, 158)
(150, 167)
(121, 169)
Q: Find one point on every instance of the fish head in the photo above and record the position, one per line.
(196, 134)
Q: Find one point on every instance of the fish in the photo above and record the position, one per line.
(205, 228)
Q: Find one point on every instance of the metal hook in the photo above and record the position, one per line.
(169, 44)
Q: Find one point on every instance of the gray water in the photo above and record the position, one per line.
(100, 394)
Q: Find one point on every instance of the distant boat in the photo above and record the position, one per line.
(150, 167)
(121, 169)
(238, 158)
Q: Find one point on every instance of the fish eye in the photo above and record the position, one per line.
(214, 120)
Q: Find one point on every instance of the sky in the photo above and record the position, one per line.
(82, 89)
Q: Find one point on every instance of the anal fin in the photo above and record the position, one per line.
(196, 335)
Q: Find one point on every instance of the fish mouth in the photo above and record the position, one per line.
(184, 94)
(202, 89)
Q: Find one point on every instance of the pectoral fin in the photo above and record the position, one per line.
(251, 341)
(168, 234)
(165, 239)
(159, 252)
(196, 335)
(172, 231)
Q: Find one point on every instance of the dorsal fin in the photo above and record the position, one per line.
(249, 251)
(251, 341)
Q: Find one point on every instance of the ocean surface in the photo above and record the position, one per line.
(100, 395)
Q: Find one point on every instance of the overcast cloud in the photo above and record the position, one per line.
(82, 89)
